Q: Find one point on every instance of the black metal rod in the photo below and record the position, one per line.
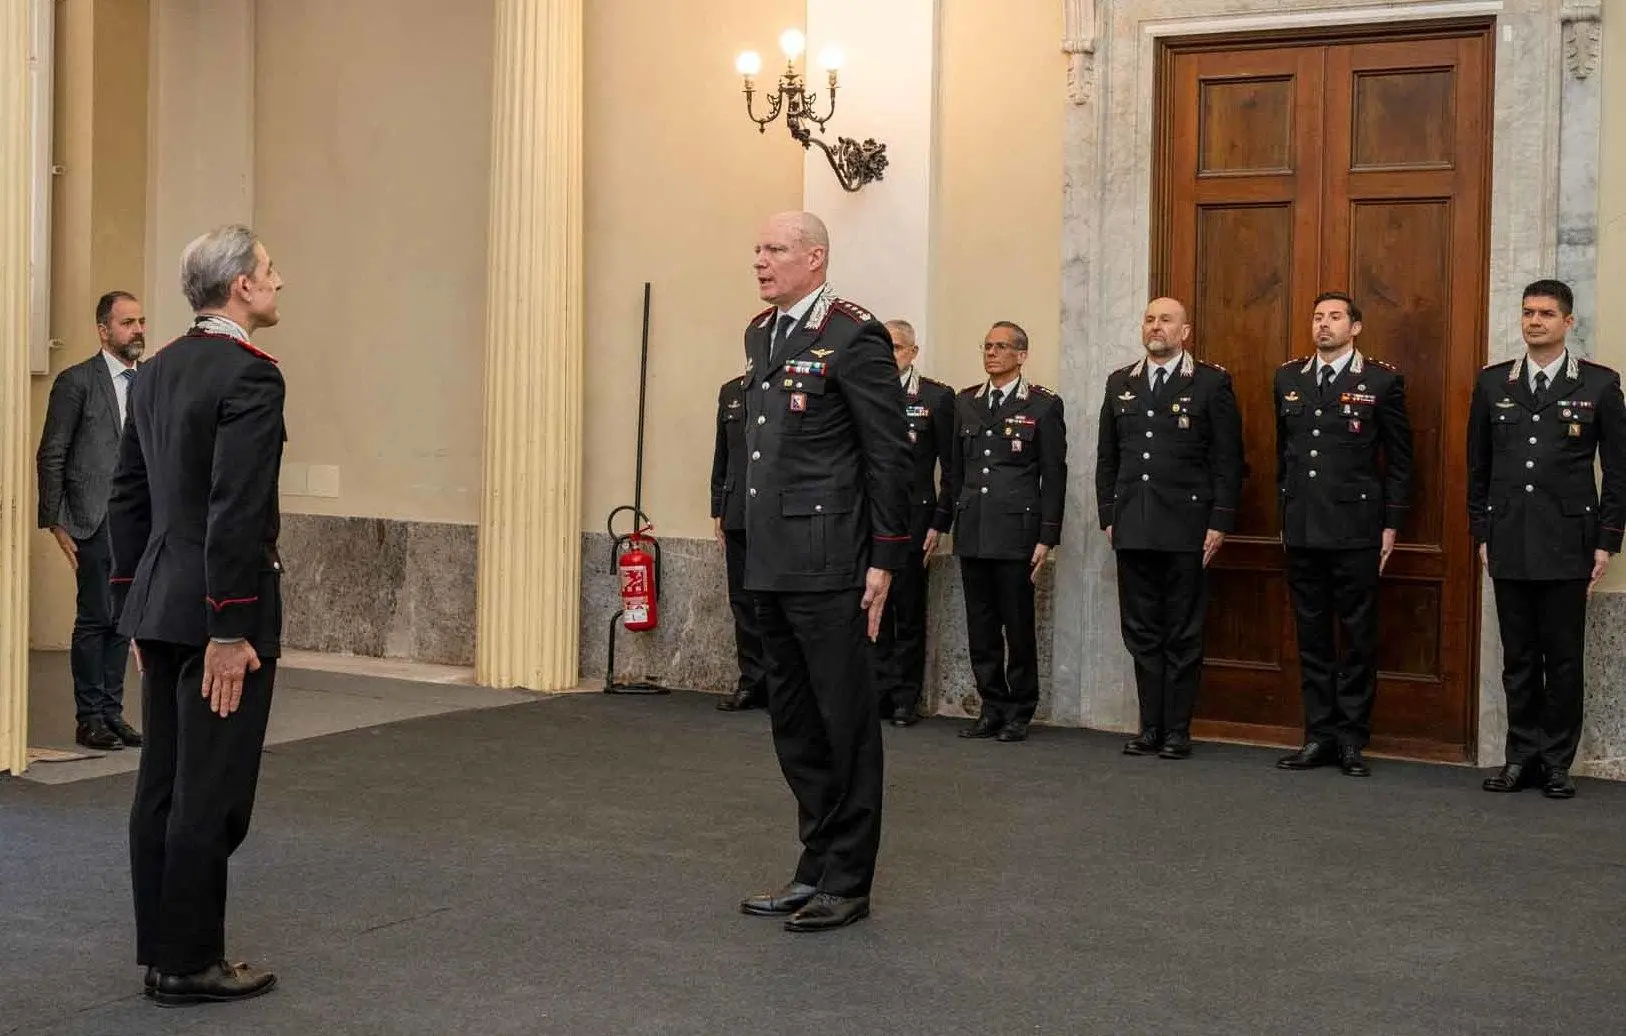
(643, 381)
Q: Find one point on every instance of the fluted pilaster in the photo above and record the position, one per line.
(15, 499)
(530, 522)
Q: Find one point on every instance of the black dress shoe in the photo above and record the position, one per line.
(94, 734)
(124, 732)
(986, 726)
(1015, 730)
(739, 700)
(1176, 746)
(824, 912)
(1514, 777)
(149, 981)
(1558, 785)
(905, 717)
(218, 983)
(1350, 761)
(1312, 755)
(787, 900)
(1148, 743)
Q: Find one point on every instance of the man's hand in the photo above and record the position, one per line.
(70, 548)
(1388, 548)
(1039, 554)
(1109, 535)
(876, 584)
(141, 665)
(1484, 557)
(224, 666)
(717, 533)
(1212, 541)
(932, 536)
(1600, 564)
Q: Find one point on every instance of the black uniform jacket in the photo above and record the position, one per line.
(1334, 494)
(928, 407)
(1010, 470)
(728, 457)
(1168, 470)
(1532, 493)
(827, 466)
(194, 516)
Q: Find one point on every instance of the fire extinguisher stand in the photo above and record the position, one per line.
(637, 538)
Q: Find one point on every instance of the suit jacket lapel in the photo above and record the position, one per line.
(1519, 388)
(1559, 387)
(103, 380)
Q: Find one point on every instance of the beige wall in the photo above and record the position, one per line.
(98, 225)
(677, 183)
(1611, 328)
(997, 231)
(371, 156)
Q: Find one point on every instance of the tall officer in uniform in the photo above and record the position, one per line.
(900, 652)
(1168, 475)
(194, 524)
(826, 525)
(728, 517)
(1534, 428)
(1010, 464)
(1336, 412)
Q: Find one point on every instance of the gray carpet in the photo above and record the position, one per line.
(572, 866)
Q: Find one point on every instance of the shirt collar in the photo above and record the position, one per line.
(799, 310)
(115, 366)
(1011, 388)
(1168, 367)
(905, 374)
(1337, 365)
(214, 323)
(1551, 370)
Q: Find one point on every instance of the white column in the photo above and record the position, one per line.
(16, 497)
(881, 236)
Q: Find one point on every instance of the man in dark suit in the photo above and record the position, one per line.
(1168, 475)
(77, 452)
(1535, 428)
(826, 519)
(1010, 464)
(1337, 413)
(194, 521)
(728, 517)
(899, 653)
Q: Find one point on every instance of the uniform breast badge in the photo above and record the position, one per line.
(1016, 445)
(1575, 431)
(1184, 423)
(1355, 426)
(798, 401)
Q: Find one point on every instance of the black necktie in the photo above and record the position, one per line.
(781, 331)
(1541, 386)
(995, 398)
(1158, 380)
(1327, 374)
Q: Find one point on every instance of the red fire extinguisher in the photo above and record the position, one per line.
(636, 567)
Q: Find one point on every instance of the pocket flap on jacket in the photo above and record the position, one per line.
(802, 503)
(1580, 505)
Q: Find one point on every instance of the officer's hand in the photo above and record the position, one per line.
(70, 548)
(1109, 535)
(1484, 556)
(1388, 548)
(1212, 542)
(717, 532)
(1600, 563)
(876, 583)
(224, 666)
(932, 536)
(1039, 553)
(141, 665)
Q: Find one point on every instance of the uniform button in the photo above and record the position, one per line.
(818, 507)
(989, 432)
(1535, 417)
(1151, 413)
(756, 454)
(753, 490)
(985, 489)
(1314, 453)
(798, 384)
(1316, 432)
(764, 386)
(1312, 473)
(1194, 496)
(1146, 478)
(1532, 440)
(1529, 463)
(762, 419)
(1363, 496)
(985, 471)
(1146, 456)
(1318, 413)
(987, 453)
(1529, 488)
(1148, 435)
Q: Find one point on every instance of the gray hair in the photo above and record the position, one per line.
(212, 261)
(905, 330)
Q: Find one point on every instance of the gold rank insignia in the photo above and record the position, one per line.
(1505, 403)
(1575, 431)
(1184, 422)
(1127, 396)
(821, 353)
(1291, 397)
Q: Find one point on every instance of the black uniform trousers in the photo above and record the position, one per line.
(1342, 586)
(899, 652)
(825, 732)
(193, 797)
(1543, 636)
(747, 637)
(1162, 600)
(1000, 633)
(98, 654)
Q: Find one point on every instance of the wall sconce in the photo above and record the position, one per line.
(855, 164)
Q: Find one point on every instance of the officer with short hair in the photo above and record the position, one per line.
(728, 519)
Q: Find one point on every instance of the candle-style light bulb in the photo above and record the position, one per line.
(831, 58)
(792, 42)
(749, 63)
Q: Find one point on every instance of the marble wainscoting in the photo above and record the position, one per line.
(1603, 738)
(379, 587)
(693, 647)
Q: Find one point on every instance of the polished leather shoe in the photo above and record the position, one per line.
(905, 717)
(218, 983)
(1148, 743)
(1176, 746)
(94, 734)
(1016, 730)
(1558, 785)
(1312, 755)
(787, 900)
(824, 912)
(986, 726)
(124, 732)
(739, 700)
(1514, 777)
(1350, 761)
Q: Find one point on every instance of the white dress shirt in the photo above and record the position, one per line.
(1551, 370)
(121, 385)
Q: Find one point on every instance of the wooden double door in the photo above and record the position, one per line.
(1289, 167)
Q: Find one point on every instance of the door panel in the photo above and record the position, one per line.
(1354, 162)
